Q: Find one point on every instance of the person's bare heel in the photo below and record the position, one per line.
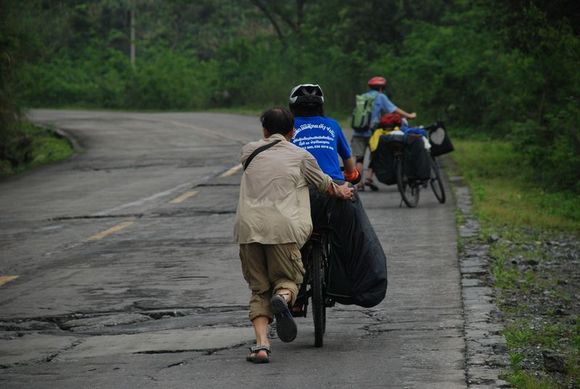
(259, 354)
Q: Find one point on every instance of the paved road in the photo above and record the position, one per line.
(127, 275)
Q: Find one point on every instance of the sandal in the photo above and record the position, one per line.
(285, 324)
(254, 357)
(370, 183)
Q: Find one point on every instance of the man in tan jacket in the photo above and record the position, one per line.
(273, 222)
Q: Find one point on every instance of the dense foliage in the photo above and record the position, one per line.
(501, 68)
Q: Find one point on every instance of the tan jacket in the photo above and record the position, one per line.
(274, 205)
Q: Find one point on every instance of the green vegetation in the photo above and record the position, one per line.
(29, 146)
(506, 69)
(507, 191)
(533, 242)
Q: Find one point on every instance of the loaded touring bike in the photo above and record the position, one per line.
(410, 188)
(343, 260)
(405, 165)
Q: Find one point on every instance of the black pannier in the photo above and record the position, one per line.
(384, 159)
(440, 141)
(417, 159)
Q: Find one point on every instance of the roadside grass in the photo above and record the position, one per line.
(28, 146)
(533, 237)
(505, 193)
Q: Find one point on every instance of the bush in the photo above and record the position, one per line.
(508, 74)
(167, 80)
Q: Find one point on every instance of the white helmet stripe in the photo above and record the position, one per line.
(304, 90)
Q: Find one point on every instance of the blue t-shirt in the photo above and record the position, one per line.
(324, 139)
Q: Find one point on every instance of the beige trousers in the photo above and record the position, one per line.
(268, 268)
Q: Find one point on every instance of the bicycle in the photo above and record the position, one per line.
(315, 256)
(410, 188)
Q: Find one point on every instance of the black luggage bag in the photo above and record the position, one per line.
(384, 159)
(417, 159)
(357, 262)
(439, 139)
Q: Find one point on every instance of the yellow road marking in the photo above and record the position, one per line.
(110, 231)
(183, 197)
(231, 171)
(6, 279)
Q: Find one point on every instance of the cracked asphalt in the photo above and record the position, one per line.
(126, 274)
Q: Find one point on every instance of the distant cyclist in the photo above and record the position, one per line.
(382, 105)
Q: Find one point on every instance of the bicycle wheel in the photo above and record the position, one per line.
(409, 190)
(436, 182)
(317, 285)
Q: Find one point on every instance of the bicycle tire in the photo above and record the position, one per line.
(436, 182)
(317, 285)
(409, 191)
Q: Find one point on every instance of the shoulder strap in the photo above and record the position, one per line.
(258, 151)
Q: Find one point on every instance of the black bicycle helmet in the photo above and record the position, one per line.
(306, 94)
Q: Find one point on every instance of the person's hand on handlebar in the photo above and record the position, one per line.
(344, 191)
(405, 114)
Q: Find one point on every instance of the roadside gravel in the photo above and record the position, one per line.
(521, 293)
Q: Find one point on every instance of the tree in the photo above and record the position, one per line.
(279, 11)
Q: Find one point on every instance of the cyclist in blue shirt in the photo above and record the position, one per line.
(320, 135)
(382, 105)
(324, 139)
(355, 244)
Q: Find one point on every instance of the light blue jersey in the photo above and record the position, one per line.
(382, 105)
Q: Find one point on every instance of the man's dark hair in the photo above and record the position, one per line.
(307, 109)
(277, 120)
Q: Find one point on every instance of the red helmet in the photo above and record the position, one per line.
(377, 81)
(390, 120)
